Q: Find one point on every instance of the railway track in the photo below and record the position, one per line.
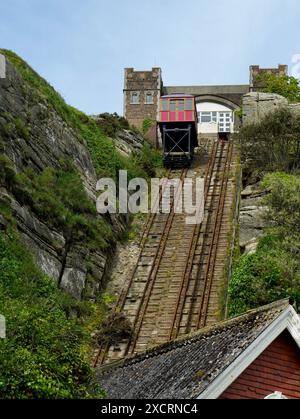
(196, 291)
(173, 288)
(134, 297)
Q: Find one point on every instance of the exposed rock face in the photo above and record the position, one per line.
(128, 142)
(252, 218)
(257, 105)
(48, 141)
(125, 140)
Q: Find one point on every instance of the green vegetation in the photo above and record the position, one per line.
(94, 133)
(15, 128)
(7, 172)
(147, 124)
(286, 86)
(284, 203)
(41, 88)
(21, 129)
(112, 123)
(115, 328)
(262, 278)
(43, 355)
(58, 198)
(273, 144)
(271, 151)
(149, 160)
(274, 271)
(106, 158)
(49, 333)
(239, 113)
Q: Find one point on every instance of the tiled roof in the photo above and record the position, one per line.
(184, 368)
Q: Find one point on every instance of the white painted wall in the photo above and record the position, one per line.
(208, 128)
(212, 127)
(213, 107)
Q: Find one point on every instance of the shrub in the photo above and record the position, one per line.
(110, 124)
(149, 159)
(259, 279)
(41, 356)
(21, 129)
(114, 329)
(273, 144)
(14, 127)
(284, 202)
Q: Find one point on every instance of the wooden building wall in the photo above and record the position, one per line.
(277, 369)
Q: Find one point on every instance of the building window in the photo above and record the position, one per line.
(189, 105)
(206, 117)
(149, 99)
(135, 98)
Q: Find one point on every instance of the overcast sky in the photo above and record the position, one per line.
(81, 47)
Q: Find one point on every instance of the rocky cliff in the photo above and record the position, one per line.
(253, 220)
(39, 131)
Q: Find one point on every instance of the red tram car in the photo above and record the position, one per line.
(178, 125)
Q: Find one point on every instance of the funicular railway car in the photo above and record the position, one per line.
(178, 123)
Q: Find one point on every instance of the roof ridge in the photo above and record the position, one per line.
(188, 339)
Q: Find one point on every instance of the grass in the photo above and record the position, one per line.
(43, 355)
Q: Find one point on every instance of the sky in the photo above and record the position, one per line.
(82, 47)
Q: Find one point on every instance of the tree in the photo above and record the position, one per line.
(286, 86)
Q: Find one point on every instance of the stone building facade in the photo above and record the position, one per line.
(142, 91)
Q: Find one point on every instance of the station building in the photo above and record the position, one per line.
(216, 105)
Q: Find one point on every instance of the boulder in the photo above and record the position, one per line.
(252, 224)
(257, 105)
(250, 247)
